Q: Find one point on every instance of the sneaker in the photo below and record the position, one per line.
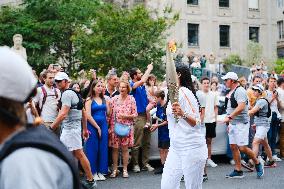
(276, 158)
(232, 162)
(211, 163)
(159, 171)
(136, 169)
(101, 176)
(96, 176)
(90, 184)
(235, 174)
(259, 170)
(148, 167)
(260, 159)
(182, 179)
(247, 166)
(270, 164)
(205, 178)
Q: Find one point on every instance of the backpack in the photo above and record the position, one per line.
(78, 106)
(268, 114)
(38, 107)
(234, 103)
(40, 138)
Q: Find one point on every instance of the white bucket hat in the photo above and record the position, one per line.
(16, 77)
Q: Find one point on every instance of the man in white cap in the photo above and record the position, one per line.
(30, 157)
(261, 112)
(238, 125)
(72, 115)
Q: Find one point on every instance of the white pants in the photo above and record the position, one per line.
(190, 164)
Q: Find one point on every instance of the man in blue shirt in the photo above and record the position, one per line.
(142, 136)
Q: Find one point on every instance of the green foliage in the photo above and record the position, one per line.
(230, 60)
(254, 53)
(279, 68)
(122, 39)
(86, 32)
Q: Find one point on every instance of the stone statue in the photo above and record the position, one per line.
(18, 47)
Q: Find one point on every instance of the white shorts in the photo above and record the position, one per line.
(261, 132)
(239, 134)
(72, 139)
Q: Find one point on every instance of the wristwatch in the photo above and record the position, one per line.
(185, 115)
(230, 117)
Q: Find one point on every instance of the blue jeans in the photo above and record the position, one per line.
(273, 131)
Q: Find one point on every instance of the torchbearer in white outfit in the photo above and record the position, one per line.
(188, 151)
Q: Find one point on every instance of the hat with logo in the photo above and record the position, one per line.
(258, 87)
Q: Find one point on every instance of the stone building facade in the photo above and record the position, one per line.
(280, 28)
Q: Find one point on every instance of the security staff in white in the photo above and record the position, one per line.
(188, 151)
(237, 120)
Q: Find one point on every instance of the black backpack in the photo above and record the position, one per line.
(268, 114)
(41, 138)
(78, 106)
(234, 103)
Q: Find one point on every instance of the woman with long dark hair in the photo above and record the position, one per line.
(96, 146)
(188, 151)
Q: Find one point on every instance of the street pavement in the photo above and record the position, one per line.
(273, 179)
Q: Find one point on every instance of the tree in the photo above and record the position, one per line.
(230, 60)
(279, 68)
(123, 38)
(47, 27)
(254, 53)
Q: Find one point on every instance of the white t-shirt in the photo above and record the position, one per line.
(273, 105)
(281, 100)
(183, 136)
(211, 100)
(49, 110)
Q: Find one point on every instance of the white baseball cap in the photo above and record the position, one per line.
(230, 75)
(258, 87)
(61, 76)
(17, 80)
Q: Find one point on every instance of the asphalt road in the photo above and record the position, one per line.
(273, 179)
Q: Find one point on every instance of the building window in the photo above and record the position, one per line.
(224, 31)
(254, 34)
(280, 26)
(280, 3)
(253, 4)
(193, 30)
(224, 3)
(192, 2)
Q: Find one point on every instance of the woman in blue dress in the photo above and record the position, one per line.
(96, 146)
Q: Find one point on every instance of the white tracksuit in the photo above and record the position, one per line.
(188, 151)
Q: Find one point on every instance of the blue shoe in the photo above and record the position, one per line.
(259, 170)
(236, 174)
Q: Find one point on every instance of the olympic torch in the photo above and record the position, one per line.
(171, 74)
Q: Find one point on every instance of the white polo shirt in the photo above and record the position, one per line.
(49, 110)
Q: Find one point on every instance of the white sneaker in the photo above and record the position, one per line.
(136, 169)
(232, 162)
(96, 176)
(148, 167)
(261, 160)
(101, 176)
(276, 158)
(211, 163)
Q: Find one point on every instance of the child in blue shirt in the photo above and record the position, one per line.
(163, 131)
